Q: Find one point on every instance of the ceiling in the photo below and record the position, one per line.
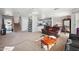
(36, 11)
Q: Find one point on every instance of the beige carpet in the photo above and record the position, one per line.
(26, 41)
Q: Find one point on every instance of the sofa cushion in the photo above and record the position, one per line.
(75, 43)
(73, 36)
(73, 48)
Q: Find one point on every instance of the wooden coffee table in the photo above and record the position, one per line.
(48, 42)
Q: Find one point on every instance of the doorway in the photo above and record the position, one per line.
(17, 25)
(8, 22)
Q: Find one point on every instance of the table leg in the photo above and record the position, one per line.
(41, 45)
(48, 47)
(54, 47)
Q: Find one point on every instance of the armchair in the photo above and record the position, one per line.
(75, 42)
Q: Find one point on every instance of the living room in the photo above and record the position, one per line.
(21, 29)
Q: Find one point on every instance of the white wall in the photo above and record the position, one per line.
(0, 21)
(77, 20)
(8, 11)
(73, 24)
(16, 19)
(74, 21)
(34, 23)
(57, 20)
(52, 21)
(24, 23)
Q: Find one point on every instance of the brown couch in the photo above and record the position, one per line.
(50, 30)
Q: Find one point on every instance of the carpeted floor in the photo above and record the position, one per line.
(27, 41)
